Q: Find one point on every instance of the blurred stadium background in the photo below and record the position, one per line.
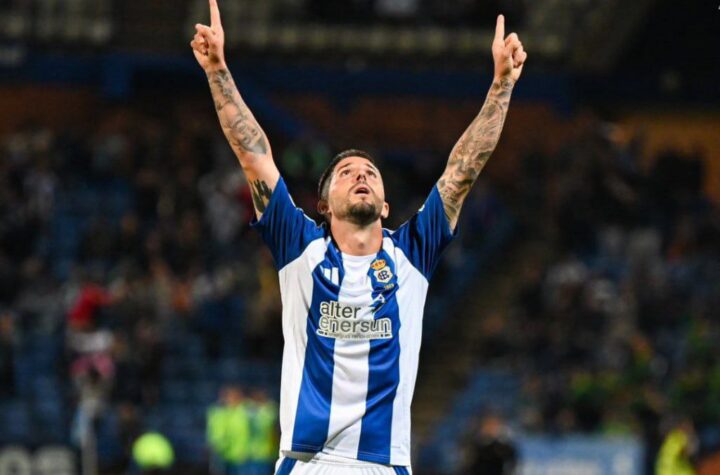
(579, 307)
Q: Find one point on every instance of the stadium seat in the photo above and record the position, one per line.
(16, 423)
(51, 421)
(204, 392)
(176, 391)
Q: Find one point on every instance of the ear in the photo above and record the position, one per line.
(323, 208)
(385, 210)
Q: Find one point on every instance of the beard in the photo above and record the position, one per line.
(363, 213)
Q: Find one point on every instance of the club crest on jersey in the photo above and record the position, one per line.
(383, 274)
(378, 264)
(382, 271)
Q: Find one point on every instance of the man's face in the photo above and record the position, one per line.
(356, 192)
(232, 396)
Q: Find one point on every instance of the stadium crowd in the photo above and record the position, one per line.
(120, 262)
(127, 241)
(619, 316)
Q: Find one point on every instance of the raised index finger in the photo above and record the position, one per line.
(499, 27)
(214, 13)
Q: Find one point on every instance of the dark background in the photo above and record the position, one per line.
(581, 297)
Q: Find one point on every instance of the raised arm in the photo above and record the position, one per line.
(242, 131)
(472, 151)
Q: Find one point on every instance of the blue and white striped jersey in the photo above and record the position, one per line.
(352, 327)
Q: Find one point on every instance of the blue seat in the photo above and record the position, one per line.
(46, 388)
(153, 420)
(108, 425)
(195, 367)
(189, 446)
(179, 418)
(176, 391)
(172, 368)
(193, 348)
(228, 370)
(205, 392)
(51, 421)
(24, 374)
(16, 423)
(199, 416)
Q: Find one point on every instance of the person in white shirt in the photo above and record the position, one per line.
(353, 293)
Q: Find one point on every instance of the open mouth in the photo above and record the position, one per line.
(361, 190)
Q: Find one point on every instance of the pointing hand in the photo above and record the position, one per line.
(209, 41)
(508, 53)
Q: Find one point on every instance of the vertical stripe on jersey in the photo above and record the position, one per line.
(401, 471)
(412, 299)
(296, 287)
(312, 417)
(286, 466)
(384, 375)
(350, 380)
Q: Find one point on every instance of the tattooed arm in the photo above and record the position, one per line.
(472, 151)
(246, 138)
(242, 131)
(474, 148)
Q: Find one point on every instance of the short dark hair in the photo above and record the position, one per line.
(324, 183)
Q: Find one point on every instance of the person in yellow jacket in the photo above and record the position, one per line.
(153, 453)
(228, 432)
(264, 433)
(676, 451)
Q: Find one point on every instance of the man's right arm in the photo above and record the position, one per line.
(246, 138)
(242, 131)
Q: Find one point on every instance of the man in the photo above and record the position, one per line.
(263, 434)
(353, 293)
(678, 449)
(490, 450)
(228, 431)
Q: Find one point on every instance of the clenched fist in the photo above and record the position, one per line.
(508, 53)
(209, 42)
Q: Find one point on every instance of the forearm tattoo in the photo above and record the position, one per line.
(261, 193)
(238, 123)
(472, 151)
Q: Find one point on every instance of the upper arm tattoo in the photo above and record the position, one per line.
(261, 194)
(238, 123)
(474, 148)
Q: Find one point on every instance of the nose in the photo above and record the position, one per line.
(361, 176)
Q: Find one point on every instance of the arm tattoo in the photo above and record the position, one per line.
(261, 193)
(238, 123)
(473, 149)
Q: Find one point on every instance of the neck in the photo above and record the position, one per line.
(357, 240)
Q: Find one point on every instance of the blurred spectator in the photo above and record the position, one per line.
(153, 454)
(490, 450)
(263, 433)
(7, 346)
(91, 350)
(617, 313)
(85, 311)
(229, 432)
(227, 211)
(264, 338)
(677, 450)
(129, 431)
(149, 357)
(93, 391)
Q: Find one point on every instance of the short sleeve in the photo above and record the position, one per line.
(284, 228)
(424, 236)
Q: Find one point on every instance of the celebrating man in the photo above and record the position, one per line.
(353, 293)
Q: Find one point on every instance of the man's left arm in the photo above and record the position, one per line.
(474, 148)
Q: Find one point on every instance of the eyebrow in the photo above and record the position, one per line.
(349, 164)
